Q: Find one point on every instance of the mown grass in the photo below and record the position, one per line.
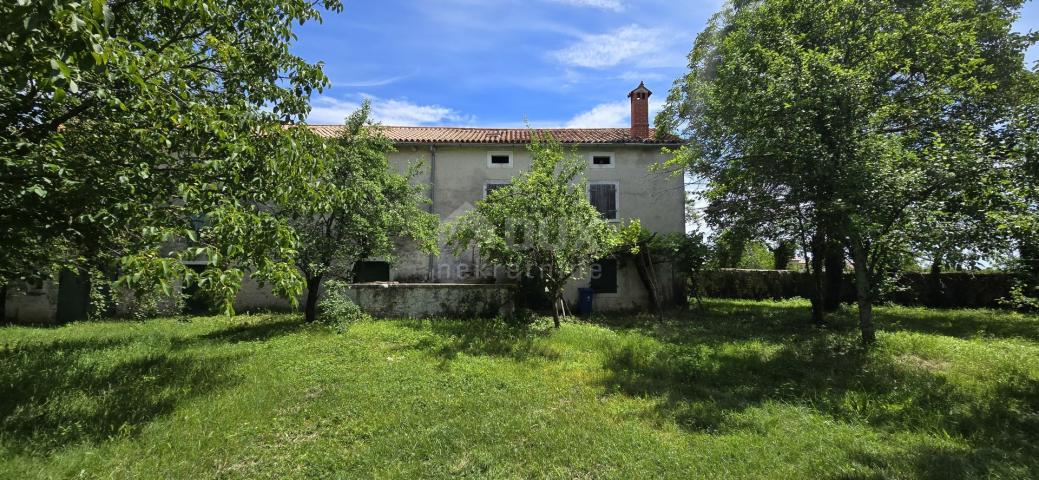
(743, 389)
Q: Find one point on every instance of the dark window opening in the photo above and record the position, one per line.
(603, 197)
(501, 159)
(492, 187)
(604, 276)
(602, 160)
(366, 272)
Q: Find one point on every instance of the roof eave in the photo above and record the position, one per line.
(515, 144)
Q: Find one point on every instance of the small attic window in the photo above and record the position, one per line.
(499, 160)
(601, 160)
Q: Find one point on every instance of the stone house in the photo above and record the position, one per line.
(461, 164)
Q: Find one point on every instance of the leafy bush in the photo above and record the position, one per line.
(336, 309)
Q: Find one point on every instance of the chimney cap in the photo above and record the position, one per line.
(640, 89)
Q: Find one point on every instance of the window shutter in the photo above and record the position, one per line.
(603, 197)
(492, 187)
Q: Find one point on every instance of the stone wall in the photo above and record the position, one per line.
(32, 304)
(421, 300)
(954, 289)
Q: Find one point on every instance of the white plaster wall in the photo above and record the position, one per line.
(657, 199)
(253, 297)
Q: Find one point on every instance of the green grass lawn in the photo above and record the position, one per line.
(745, 389)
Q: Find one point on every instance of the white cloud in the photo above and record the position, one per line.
(613, 48)
(641, 76)
(612, 114)
(375, 82)
(386, 111)
(614, 5)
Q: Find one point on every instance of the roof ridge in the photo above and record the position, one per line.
(474, 128)
(506, 135)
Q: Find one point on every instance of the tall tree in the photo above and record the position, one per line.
(127, 125)
(857, 115)
(541, 223)
(363, 206)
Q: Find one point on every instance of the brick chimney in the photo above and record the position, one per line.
(640, 111)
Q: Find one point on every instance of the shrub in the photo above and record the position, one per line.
(336, 309)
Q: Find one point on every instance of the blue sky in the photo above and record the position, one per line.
(501, 63)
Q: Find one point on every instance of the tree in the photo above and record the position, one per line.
(687, 254)
(363, 206)
(855, 117)
(540, 224)
(782, 254)
(144, 133)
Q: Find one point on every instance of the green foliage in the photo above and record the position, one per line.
(733, 249)
(361, 205)
(783, 254)
(541, 224)
(686, 251)
(124, 123)
(729, 248)
(757, 256)
(948, 394)
(336, 309)
(814, 118)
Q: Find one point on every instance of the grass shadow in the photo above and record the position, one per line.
(516, 339)
(264, 329)
(67, 391)
(64, 393)
(705, 369)
(960, 323)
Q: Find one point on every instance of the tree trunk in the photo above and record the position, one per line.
(936, 297)
(782, 254)
(644, 265)
(555, 310)
(313, 295)
(818, 310)
(834, 289)
(864, 293)
(3, 303)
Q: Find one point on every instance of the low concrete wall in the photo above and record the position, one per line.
(32, 304)
(420, 300)
(954, 290)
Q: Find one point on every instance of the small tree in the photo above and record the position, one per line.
(540, 224)
(363, 207)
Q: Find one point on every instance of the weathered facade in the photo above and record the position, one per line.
(459, 165)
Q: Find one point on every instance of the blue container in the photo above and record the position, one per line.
(584, 300)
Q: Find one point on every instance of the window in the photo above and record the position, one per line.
(499, 160)
(366, 272)
(601, 160)
(604, 276)
(492, 186)
(603, 196)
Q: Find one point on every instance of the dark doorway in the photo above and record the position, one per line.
(604, 276)
(365, 272)
(73, 297)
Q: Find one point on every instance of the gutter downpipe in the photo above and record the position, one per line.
(431, 275)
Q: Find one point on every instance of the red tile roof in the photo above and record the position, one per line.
(441, 135)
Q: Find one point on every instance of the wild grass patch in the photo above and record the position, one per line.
(741, 389)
